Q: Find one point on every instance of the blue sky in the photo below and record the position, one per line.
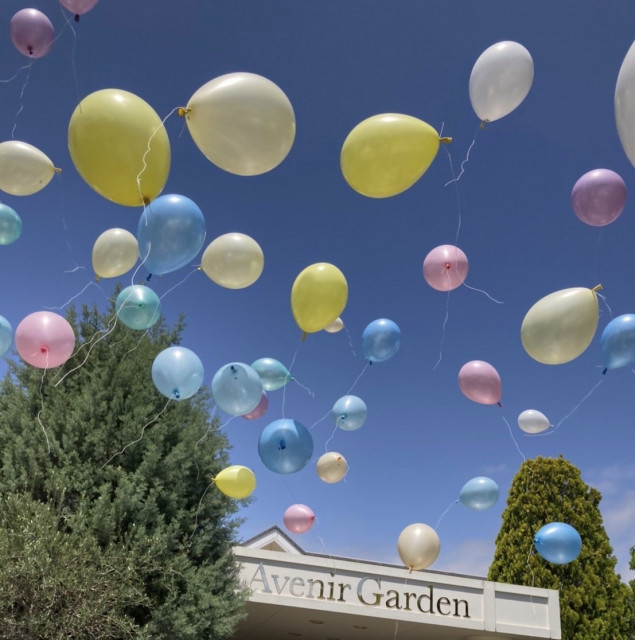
(340, 62)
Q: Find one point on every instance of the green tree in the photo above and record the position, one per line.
(594, 603)
(127, 470)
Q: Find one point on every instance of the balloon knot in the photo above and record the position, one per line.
(445, 140)
(77, 17)
(183, 111)
(145, 200)
(176, 393)
(370, 362)
(499, 404)
(97, 278)
(482, 125)
(303, 336)
(446, 265)
(148, 278)
(604, 372)
(57, 170)
(597, 288)
(43, 349)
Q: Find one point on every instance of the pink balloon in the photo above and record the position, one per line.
(260, 410)
(480, 382)
(79, 7)
(598, 197)
(298, 518)
(32, 33)
(44, 340)
(445, 267)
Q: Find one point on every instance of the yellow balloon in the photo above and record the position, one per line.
(318, 296)
(115, 252)
(387, 153)
(233, 260)
(236, 481)
(120, 147)
(560, 326)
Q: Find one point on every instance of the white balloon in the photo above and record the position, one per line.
(24, 169)
(233, 260)
(419, 546)
(532, 421)
(625, 104)
(331, 467)
(500, 80)
(115, 252)
(335, 326)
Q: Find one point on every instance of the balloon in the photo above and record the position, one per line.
(177, 373)
(618, 342)
(6, 335)
(115, 252)
(445, 267)
(120, 147)
(480, 382)
(45, 340)
(335, 326)
(500, 80)
(349, 413)
(237, 389)
(171, 232)
(10, 225)
(32, 33)
(24, 169)
(260, 410)
(298, 518)
(233, 260)
(560, 326)
(285, 446)
(418, 546)
(381, 339)
(241, 122)
(479, 493)
(386, 154)
(79, 7)
(625, 104)
(272, 373)
(138, 307)
(318, 296)
(236, 481)
(558, 543)
(331, 467)
(532, 421)
(598, 197)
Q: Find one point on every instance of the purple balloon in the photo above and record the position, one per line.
(598, 197)
(79, 7)
(32, 33)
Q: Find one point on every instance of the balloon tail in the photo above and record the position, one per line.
(444, 513)
(606, 304)
(465, 161)
(198, 508)
(209, 428)
(303, 336)
(443, 328)
(21, 106)
(90, 284)
(484, 292)
(458, 196)
(17, 73)
(595, 386)
(39, 413)
(311, 393)
(326, 445)
(284, 388)
(511, 433)
(350, 341)
(178, 284)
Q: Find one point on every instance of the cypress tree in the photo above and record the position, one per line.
(594, 603)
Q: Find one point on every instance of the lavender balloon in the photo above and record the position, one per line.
(598, 197)
(32, 33)
(79, 7)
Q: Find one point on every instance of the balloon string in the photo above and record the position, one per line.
(17, 73)
(595, 386)
(350, 341)
(284, 388)
(91, 283)
(326, 445)
(467, 159)
(21, 106)
(207, 432)
(39, 413)
(198, 508)
(444, 513)
(180, 283)
(511, 433)
(458, 195)
(485, 292)
(606, 304)
(443, 328)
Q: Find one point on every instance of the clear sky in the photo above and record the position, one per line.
(340, 62)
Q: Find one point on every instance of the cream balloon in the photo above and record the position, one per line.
(335, 326)
(625, 104)
(24, 169)
(331, 467)
(115, 252)
(233, 260)
(419, 546)
(532, 421)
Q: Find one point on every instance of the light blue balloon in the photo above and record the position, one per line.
(272, 373)
(6, 335)
(479, 493)
(177, 373)
(138, 307)
(558, 542)
(171, 232)
(10, 225)
(618, 342)
(349, 413)
(236, 389)
(285, 446)
(380, 340)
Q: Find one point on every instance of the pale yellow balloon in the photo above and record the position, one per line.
(387, 153)
(236, 481)
(560, 326)
(24, 169)
(335, 326)
(331, 467)
(233, 260)
(419, 546)
(115, 252)
(120, 147)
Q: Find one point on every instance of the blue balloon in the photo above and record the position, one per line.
(285, 446)
(138, 307)
(171, 232)
(479, 493)
(380, 340)
(236, 388)
(177, 373)
(10, 225)
(558, 543)
(272, 373)
(6, 335)
(618, 342)
(349, 413)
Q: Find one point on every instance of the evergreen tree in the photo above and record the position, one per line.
(123, 469)
(594, 603)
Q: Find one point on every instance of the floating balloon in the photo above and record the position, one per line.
(598, 197)
(138, 307)
(6, 335)
(318, 296)
(233, 260)
(177, 373)
(419, 546)
(285, 446)
(480, 382)
(558, 543)
(24, 169)
(381, 339)
(560, 326)
(260, 410)
(618, 342)
(45, 340)
(298, 518)
(171, 232)
(336, 326)
(500, 80)
(349, 413)
(120, 147)
(241, 122)
(236, 388)
(532, 421)
(625, 104)
(32, 33)
(445, 267)
(10, 225)
(237, 482)
(479, 493)
(115, 252)
(386, 154)
(331, 467)
(273, 374)
(79, 7)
